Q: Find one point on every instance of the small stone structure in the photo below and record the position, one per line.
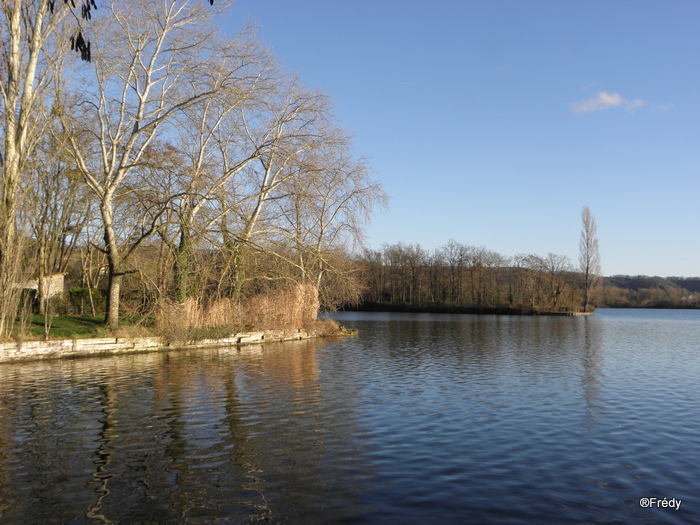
(52, 285)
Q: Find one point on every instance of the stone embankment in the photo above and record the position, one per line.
(67, 348)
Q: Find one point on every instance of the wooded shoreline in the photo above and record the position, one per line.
(449, 309)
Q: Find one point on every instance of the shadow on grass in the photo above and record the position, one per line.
(68, 327)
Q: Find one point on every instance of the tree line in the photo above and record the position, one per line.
(473, 278)
(177, 164)
(460, 277)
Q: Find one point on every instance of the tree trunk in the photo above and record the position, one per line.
(181, 265)
(114, 264)
(238, 272)
(113, 290)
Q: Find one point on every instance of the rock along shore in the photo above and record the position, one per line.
(69, 348)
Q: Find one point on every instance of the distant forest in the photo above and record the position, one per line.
(462, 278)
(624, 291)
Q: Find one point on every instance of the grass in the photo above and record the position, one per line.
(68, 327)
(81, 327)
(288, 310)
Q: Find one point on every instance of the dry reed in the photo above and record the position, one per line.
(295, 307)
(287, 308)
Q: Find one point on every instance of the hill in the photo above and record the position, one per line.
(641, 291)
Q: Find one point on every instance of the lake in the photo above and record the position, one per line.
(421, 418)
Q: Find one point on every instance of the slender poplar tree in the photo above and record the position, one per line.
(589, 256)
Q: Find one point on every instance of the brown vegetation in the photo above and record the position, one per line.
(294, 307)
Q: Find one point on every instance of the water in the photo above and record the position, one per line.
(419, 419)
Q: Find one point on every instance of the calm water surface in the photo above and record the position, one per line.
(419, 419)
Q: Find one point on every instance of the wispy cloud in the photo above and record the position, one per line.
(604, 101)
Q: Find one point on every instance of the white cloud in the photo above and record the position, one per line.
(604, 101)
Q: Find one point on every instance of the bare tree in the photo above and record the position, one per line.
(557, 267)
(208, 149)
(148, 67)
(291, 125)
(456, 256)
(589, 256)
(56, 207)
(321, 216)
(29, 55)
(221, 148)
(482, 261)
(521, 283)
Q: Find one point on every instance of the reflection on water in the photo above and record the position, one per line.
(170, 438)
(419, 419)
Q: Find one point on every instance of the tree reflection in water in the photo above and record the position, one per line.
(171, 437)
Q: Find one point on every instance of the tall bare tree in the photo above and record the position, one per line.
(589, 256)
(321, 214)
(209, 148)
(30, 53)
(292, 123)
(153, 61)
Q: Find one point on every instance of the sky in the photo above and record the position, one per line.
(493, 122)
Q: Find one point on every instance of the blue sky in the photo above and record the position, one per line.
(493, 122)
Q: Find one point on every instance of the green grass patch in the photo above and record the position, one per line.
(68, 327)
(83, 327)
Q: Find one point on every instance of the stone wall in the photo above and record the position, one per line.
(67, 348)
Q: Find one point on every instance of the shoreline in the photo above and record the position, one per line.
(11, 352)
(446, 309)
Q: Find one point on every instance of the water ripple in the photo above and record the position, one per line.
(419, 419)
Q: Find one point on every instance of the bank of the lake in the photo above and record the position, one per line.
(104, 346)
(440, 308)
